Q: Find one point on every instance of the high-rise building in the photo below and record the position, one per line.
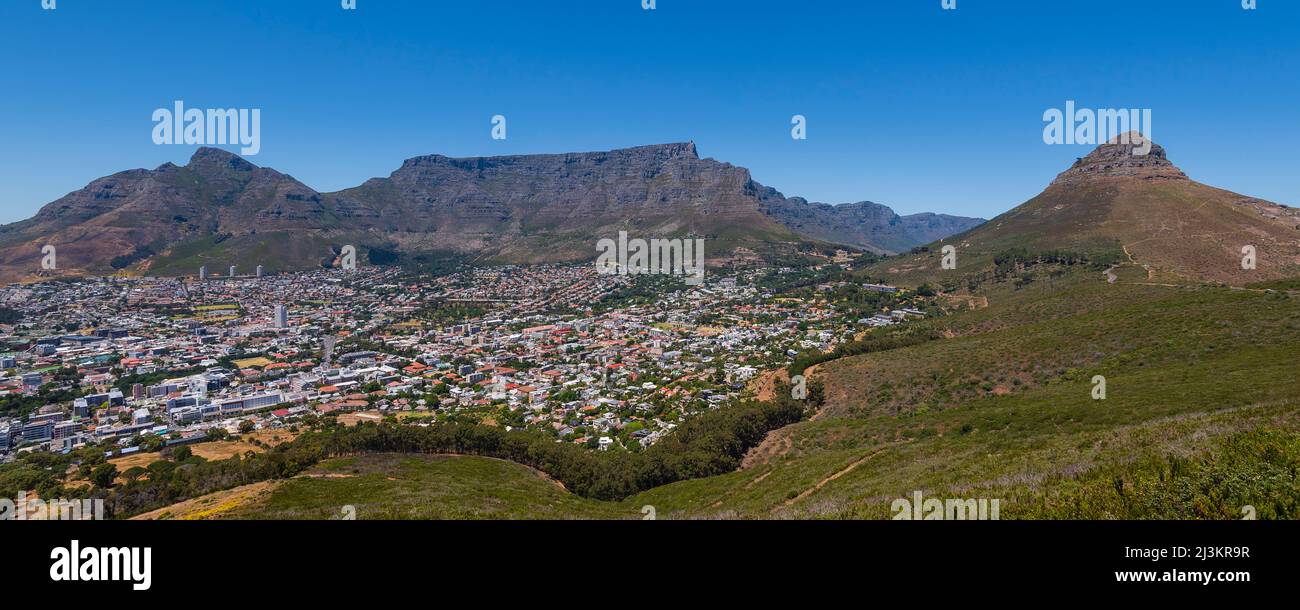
(233, 268)
(259, 271)
(203, 272)
(281, 316)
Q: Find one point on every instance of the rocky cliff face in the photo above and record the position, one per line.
(525, 208)
(518, 194)
(665, 187)
(1117, 159)
(864, 224)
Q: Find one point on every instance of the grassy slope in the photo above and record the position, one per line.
(274, 251)
(1201, 417)
(1180, 229)
(1186, 369)
(427, 487)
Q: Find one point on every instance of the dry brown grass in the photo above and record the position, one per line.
(213, 505)
(142, 460)
(352, 419)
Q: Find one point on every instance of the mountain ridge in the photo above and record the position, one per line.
(1115, 206)
(514, 208)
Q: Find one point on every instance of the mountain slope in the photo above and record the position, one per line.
(134, 215)
(535, 208)
(863, 224)
(220, 209)
(1113, 205)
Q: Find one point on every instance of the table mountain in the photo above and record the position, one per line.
(220, 209)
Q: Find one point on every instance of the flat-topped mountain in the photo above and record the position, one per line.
(532, 208)
(220, 209)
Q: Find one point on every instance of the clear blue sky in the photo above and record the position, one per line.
(908, 105)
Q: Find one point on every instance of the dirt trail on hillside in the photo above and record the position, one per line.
(1151, 273)
(780, 441)
(839, 473)
(822, 483)
(776, 444)
(764, 386)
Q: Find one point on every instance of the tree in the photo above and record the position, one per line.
(151, 443)
(103, 475)
(134, 473)
(246, 426)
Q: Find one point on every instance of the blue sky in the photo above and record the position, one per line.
(907, 104)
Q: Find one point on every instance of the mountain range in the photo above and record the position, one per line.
(220, 209)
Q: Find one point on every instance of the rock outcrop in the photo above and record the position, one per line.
(1122, 157)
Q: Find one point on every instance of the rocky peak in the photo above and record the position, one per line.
(215, 159)
(1121, 157)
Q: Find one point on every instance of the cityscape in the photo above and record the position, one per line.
(141, 364)
(476, 290)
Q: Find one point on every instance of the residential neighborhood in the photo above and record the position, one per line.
(144, 363)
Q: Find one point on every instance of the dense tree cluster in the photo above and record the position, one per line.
(873, 342)
(1013, 260)
(186, 476)
(9, 315)
(710, 444)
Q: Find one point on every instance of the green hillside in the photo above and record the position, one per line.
(1200, 419)
(394, 486)
(1176, 230)
(1004, 410)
